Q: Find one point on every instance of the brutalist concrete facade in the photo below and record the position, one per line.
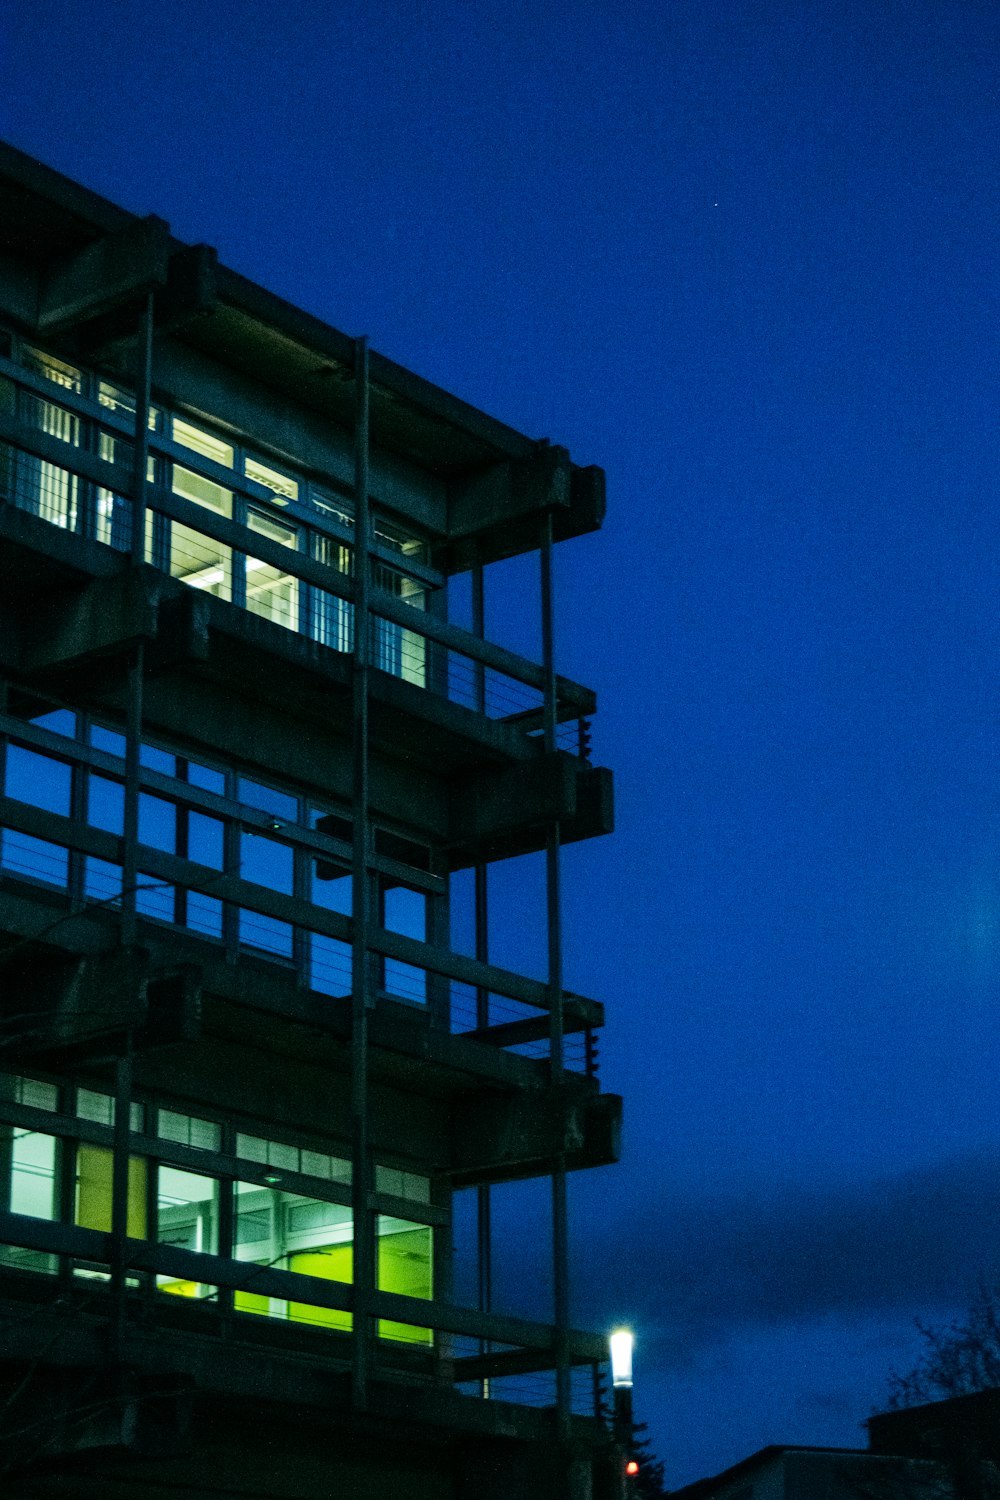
(247, 764)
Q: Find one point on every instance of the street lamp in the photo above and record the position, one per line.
(621, 1342)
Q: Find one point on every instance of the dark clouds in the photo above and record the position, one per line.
(700, 1269)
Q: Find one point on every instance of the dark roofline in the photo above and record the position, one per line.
(745, 1466)
(100, 216)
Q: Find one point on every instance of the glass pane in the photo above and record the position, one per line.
(329, 965)
(58, 720)
(299, 1234)
(187, 1216)
(33, 859)
(102, 881)
(403, 1184)
(189, 1130)
(29, 1091)
(113, 524)
(206, 841)
(268, 799)
(266, 862)
(397, 650)
(105, 803)
(91, 1105)
(157, 822)
(46, 490)
(156, 899)
(108, 740)
(206, 777)
(156, 759)
(94, 1190)
(400, 541)
(281, 485)
(204, 914)
(56, 370)
(405, 912)
(405, 1265)
(195, 558)
(271, 592)
(32, 1158)
(202, 442)
(117, 399)
(38, 780)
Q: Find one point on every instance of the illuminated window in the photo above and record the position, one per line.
(32, 1161)
(187, 1216)
(398, 650)
(118, 400)
(197, 559)
(405, 1265)
(206, 1135)
(293, 1158)
(282, 486)
(275, 1228)
(200, 441)
(28, 1164)
(56, 370)
(29, 1091)
(271, 592)
(94, 1174)
(44, 488)
(101, 1109)
(403, 1184)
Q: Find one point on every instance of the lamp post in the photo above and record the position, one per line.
(621, 1343)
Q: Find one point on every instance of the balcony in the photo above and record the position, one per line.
(273, 571)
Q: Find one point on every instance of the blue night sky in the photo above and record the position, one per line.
(743, 255)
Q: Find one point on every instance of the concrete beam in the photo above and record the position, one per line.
(495, 496)
(501, 1138)
(112, 271)
(491, 809)
(103, 617)
(589, 813)
(497, 512)
(189, 294)
(53, 1002)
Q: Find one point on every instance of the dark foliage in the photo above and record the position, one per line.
(958, 1359)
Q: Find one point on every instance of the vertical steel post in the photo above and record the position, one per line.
(361, 977)
(140, 456)
(484, 1229)
(560, 1211)
(124, 1066)
(130, 841)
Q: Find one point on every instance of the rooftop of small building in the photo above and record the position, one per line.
(746, 1466)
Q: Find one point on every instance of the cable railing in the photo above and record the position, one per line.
(483, 1356)
(470, 1000)
(68, 463)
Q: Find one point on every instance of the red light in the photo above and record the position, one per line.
(631, 1467)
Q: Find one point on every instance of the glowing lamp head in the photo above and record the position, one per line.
(621, 1342)
(632, 1468)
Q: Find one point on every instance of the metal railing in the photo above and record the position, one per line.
(478, 1355)
(224, 904)
(67, 461)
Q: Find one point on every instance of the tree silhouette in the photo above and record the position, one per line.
(958, 1359)
(648, 1483)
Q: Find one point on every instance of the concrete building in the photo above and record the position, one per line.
(942, 1450)
(794, 1472)
(249, 772)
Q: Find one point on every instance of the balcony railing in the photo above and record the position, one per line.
(69, 461)
(477, 1354)
(264, 899)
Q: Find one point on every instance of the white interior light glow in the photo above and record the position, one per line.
(621, 1342)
